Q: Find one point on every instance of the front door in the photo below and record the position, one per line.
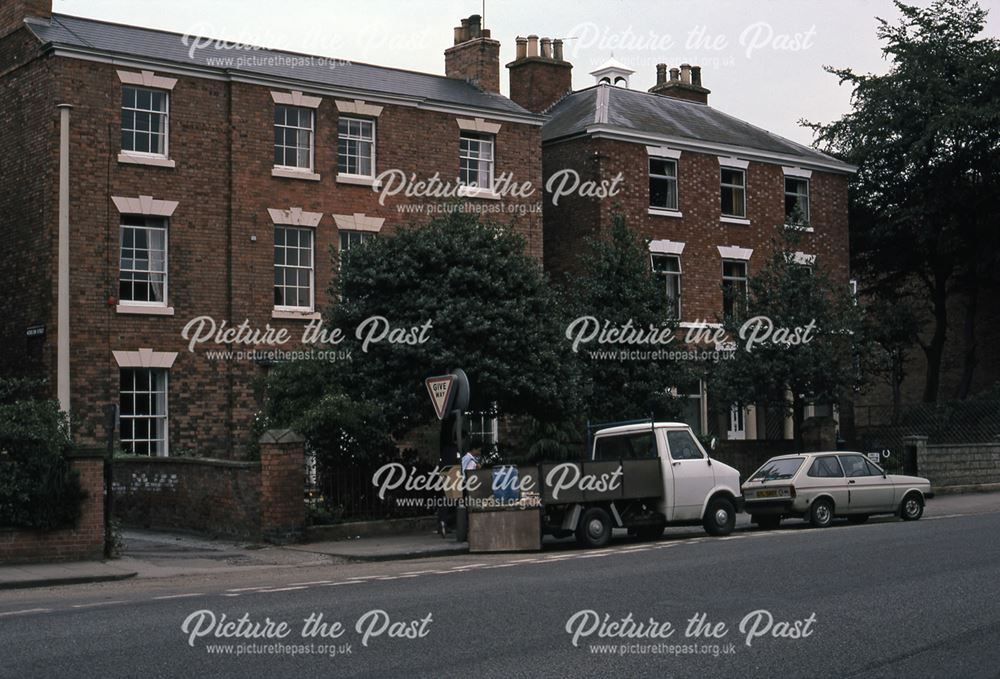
(737, 423)
(693, 476)
(869, 490)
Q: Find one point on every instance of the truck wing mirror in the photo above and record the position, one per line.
(713, 444)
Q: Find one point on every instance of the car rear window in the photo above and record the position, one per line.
(826, 468)
(774, 470)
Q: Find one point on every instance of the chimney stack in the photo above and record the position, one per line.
(684, 83)
(539, 77)
(475, 57)
(14, 12)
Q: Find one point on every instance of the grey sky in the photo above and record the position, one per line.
(746, 48)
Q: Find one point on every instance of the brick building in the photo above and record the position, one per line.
(708, 191)
(145, 182)
(147, 179)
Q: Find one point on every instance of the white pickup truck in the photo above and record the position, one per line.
(640, 476)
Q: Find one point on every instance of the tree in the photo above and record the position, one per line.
(617, 285)
(924, 222)
(465, 295)
(800, 334)
(37, 488)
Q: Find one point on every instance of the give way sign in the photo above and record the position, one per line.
(440, 390)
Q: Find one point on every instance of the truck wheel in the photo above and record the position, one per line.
(821, 514)
(594, 529)
(649, 532)
(720, 517)
(768, 522)
(912, 507)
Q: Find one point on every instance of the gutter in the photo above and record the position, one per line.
(62, 286)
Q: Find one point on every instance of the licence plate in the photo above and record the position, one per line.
(768, 493)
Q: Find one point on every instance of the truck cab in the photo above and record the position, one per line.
(665, 478)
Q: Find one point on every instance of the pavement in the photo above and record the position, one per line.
(150, 554)
(882, 600)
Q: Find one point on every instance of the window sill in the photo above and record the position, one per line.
(663, 212)
(292, 173)
(358, 180)
(687, 325)
(154, 161)
(799, 227)
(289, 314)
(485, 194)
(735, 220)
(142, 310)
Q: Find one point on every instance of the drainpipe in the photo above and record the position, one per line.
(62, 318)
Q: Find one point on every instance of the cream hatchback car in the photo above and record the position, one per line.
(820, 486)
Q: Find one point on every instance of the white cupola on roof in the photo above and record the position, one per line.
(612, 72)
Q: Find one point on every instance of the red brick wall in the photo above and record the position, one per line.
(84, 541)
(217, 497)
(13, 13)
(28, 144)
(700, 227)
(220, 239)
(282, 486)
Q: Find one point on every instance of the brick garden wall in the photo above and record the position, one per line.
(83, 541)
(218, 497)
(240, 499)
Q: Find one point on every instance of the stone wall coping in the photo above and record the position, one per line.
(203, 461)
(281, 436)
(85, 454)
(962, 446)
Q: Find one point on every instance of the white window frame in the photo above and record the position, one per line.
(668, 274)
(745, 278)
(166, 259)
(675, 179)
(350, 137)
(482, 138)
(312, 268)
(363, 236)
(165, 418)
(808, 197)
(743, 188)
(166, 122)
(312, 139)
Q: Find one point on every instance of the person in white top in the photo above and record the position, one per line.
(471, 460)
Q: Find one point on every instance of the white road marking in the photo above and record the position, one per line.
(26, 610)
(307, 584)
(348, 582)
(468, 566)
(99, 603)
(279, 589)
(417, 572)
(364, 577)
(176, 596)
(230, 595)
(248, 589)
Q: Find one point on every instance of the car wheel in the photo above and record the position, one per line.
(766, 522)
(857, 518)
(720, 517)
(649, 532)
(821, 514)
(594, 529)
(912, 507)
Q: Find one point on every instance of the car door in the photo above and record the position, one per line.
(692, 473)
(868, 489)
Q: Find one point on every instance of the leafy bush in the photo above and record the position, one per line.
(37, 488)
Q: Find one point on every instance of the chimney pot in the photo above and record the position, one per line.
(557, 50)
(522, 47)
(696, 76)
(546, 48)
(661, 74)
(686, 74)
(532, 45)
(475, 26)
(675, 74)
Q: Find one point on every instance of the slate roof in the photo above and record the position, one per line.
(146, 44)
(658, 115)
